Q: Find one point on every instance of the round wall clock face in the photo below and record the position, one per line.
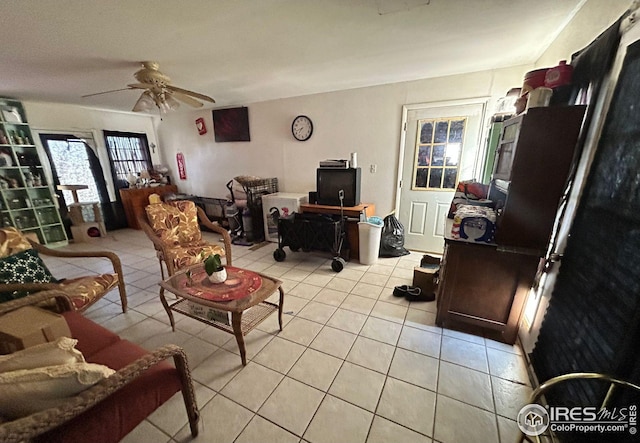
(302, 128)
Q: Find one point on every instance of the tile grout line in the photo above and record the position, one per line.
(369, 315)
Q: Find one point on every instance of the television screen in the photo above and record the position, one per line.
(331, 180)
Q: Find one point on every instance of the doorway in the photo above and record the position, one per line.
(439, 147)
(70, 165)
(74, 161)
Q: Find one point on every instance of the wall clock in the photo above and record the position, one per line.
(302, 128)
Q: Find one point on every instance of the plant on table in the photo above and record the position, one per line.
(214, 268)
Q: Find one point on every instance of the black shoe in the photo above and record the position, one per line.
(410, 292)
(401, 291)
(418, 295)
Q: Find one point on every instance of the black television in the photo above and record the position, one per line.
(329, 182)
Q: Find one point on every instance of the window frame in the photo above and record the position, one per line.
(430, 147)
(132, 165)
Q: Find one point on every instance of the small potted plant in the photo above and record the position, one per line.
(214, 269)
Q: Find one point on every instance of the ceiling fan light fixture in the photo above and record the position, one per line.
(172, 102)
(144, 103)
(157, 91)
(165, 102)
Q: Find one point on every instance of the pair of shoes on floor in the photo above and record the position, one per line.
(412, 293)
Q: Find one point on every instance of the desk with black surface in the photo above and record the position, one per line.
(353, 217)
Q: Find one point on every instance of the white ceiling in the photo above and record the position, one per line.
(245, 51)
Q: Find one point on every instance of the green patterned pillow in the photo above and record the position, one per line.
(23, 267)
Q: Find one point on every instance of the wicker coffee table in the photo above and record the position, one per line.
(241, 297)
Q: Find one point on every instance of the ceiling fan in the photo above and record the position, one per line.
(158, 91)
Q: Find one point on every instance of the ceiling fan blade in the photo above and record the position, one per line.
(191, 93)
(186, 99)
(106, 92)
(141, 86)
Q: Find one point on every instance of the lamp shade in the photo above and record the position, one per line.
(144, 103)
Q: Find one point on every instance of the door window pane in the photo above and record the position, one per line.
(435, 179)
(438, 156)
(450, 178)
(424, 156)
(453, 154)
(72, 165)
(426, 133)
(456, 131)
(421, 177)
(438, 149)
(441, 132)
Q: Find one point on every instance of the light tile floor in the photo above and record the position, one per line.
(352, 364)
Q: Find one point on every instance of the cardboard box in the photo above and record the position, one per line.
(210, 314)
(426, 278)
(29, 326)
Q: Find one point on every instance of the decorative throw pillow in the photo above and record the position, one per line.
(60, 352)
(23, 267)
(12, 241)
(26, 391)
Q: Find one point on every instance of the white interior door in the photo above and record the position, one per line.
(440, 147)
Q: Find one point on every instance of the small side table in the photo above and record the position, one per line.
(243, 296)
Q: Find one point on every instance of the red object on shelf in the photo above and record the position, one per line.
(533, 80)
(559, 75)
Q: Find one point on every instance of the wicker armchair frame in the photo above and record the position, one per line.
(43, 250)
(537, 397)
(160, 246)
(28, 427)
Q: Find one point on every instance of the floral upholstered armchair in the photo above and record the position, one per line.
(23, 272)
(175, 232)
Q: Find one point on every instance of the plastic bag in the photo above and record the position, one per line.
(392, 238)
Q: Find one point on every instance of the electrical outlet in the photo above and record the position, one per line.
(373, 169)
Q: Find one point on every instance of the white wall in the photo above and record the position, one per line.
(589, 22)
(366, 121)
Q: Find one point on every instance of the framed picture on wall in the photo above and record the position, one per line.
(231, 124)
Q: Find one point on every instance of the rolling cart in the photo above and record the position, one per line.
(319, 232)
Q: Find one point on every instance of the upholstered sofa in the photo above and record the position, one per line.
(110, 409)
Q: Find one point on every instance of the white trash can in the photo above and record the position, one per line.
(369, 237)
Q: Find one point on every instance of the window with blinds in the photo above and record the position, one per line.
(128, 153)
